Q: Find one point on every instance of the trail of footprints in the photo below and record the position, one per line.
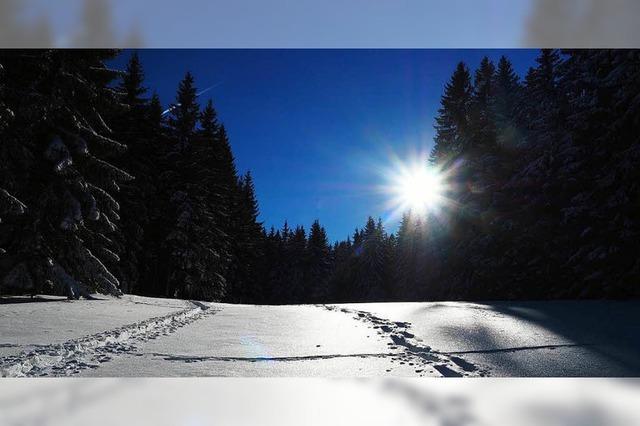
(72, 356)
(413, 352)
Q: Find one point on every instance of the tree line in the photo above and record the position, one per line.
(101, 189)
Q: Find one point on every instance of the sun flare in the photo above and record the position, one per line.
(420, 189)
(416, 187)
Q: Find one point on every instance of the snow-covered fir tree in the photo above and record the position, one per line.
(58, 153)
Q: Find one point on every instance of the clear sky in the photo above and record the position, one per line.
(317, 127)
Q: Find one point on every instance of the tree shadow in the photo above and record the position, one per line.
(10, 300)
(607, 329)
(28, 299)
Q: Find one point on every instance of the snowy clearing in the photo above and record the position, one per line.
(138, 336)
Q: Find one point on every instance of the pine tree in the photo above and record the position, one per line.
(296, 253)
(409, 263)
(209, 121)
(342, 273)
(482, 121)
(542, 99)
(186, 254)
(318, 263)
(131, 127)
(154, 112)
(152, 265)
(452, 122)
(230, 200)
(57, 150)
(272, 251)
(9, 204)
(132, 84)
(506, 105)
(214, 210)
(371, 262)
(390, 247)
(185, 112)
(248, 242)
(482, 173)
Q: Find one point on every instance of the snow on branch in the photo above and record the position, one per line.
(104, 196)
(112, 171)
(102, 140)
(10, 204)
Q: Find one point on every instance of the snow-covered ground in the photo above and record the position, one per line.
(138, 336)
(55, 337)
(53, 319)
(523, 339)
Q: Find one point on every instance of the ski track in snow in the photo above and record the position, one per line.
(415, 353)
(190, 359)
(72, 356)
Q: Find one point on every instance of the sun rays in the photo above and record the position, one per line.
(418, 189)
(414, 186)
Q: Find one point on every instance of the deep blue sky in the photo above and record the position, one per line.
(315, 127)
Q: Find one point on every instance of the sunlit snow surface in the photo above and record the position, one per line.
(25, 323)
(137, 336)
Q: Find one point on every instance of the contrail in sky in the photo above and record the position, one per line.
(202, 92)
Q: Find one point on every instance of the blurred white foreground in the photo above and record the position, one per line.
(305, 401)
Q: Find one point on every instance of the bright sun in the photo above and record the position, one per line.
(415, 186)
(421, 189)
(418, 188)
